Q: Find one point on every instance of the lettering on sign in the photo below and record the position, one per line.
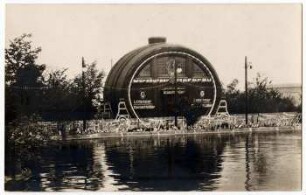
(142, 101)
(173, 92)
(206, 105)
(179, 80)
(144, 107)
(202, 101)
(143, 104)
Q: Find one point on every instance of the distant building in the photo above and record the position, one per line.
(290, 90)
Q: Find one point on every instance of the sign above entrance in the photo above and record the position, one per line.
(166, 80)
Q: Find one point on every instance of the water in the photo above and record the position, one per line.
(223, 162)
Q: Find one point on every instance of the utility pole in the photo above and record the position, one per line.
(246, 90)
(84, 94)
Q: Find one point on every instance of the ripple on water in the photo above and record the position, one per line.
(231, 162)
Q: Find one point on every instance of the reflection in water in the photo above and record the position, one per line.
(100, 159)
(249, 161)
(272, 161)
(176, 163)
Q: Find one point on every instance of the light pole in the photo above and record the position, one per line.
(176, 71)
(246, 66)
(84, 96)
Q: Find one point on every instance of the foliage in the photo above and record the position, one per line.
(88, 88)
(23, 78)
(31, 95)
(28, 90)
(261, 98)
(58, 99)
(27, 130)
(19, 54)
(73, 99)
(235, 98)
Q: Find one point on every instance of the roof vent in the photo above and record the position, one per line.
(153, 40)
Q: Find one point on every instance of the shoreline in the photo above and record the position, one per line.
(178, 132)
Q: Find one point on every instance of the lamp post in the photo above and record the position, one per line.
(176, 71)
(84, 94)
(246, 66)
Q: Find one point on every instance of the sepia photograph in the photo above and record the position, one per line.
(153, 97)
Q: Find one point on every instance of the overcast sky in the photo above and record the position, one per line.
(270, 35)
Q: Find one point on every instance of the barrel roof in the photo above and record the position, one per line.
(125, 66)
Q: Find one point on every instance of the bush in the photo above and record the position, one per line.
(27, 130)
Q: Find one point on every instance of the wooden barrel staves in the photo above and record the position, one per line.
(161, 80)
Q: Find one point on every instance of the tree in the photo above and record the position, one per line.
(88, 89)
(18, 55)
(234, 97)
(232, 87)
(261, 98)
(24, 81)
(59, 101)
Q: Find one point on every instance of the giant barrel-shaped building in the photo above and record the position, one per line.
(162, 80)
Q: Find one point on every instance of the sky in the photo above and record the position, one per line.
(269, 35)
